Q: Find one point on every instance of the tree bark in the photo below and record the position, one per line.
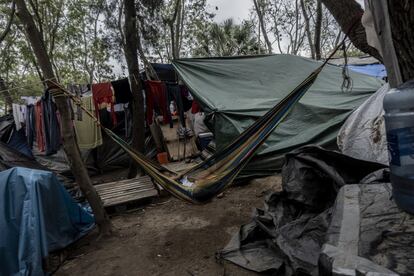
(262, 26)
(69, 141)
(402, 27)
(8, 101)
(318, 29)
(348, 14)
(131, 56)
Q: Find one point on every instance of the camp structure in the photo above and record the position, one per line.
(236, 91)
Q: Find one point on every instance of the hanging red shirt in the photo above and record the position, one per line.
(102, 93)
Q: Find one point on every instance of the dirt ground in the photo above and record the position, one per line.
(170, 237)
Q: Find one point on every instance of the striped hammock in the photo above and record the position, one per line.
(207, 179)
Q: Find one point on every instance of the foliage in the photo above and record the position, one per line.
(227, 39)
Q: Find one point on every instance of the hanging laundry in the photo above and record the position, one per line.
(76, 90)
(122, 91)
(156, 100)
(30, 124)
(19, 112)
(51, 127)
(174, 93)
(88, 134)
(103, 97)
(40, 140)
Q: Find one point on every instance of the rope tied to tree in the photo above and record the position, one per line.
(347, 80)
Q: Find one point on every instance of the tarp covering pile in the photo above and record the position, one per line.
(362, 135)
(236, 91)
(322, 224)
(37, 216)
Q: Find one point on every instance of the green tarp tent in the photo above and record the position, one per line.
(235, 91)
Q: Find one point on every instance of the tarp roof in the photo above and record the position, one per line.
(235, 91)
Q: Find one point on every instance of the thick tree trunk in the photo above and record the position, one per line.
(70, 145)
(131, 56)
(402, 27)
(348, 14)
(262, 26)
(318, 29)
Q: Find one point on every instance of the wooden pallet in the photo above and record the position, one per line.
(124, 191)
(174, 146)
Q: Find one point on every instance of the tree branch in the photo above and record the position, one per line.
(348, 13)
(9, 23)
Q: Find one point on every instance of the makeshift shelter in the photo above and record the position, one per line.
(37, 216)
(235, 91)
(15, 139)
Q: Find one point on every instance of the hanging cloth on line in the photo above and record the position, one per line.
(40, 140)
(174, 94)
(102, 94)
(156, 100)
(122, 91)
(88, 134)
(51, 126)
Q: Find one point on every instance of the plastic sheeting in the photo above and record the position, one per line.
(373, 70)
(287, 236)
(10, 158)
(235, 91)
(37, 216)
(368, 234)
(363, 134)
(15, 139)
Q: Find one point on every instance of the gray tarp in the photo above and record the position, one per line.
(320, 225)
(235, 91)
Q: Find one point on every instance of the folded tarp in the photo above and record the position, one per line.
(37, 216)
(235, 91)
(287, 236)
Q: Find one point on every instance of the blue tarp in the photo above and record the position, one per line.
(374, 70)
(37, 216)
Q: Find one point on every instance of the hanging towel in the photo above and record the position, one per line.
(156, 100)
(122, 91)
(88, 134)
(174, 93)
(103, 94)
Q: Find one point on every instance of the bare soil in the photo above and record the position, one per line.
(170, 237)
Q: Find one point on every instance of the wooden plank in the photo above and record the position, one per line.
(175, 147)
(142, 179)
(127, 190)
(129, 198)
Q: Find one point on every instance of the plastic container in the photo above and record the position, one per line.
(162, 158)
(399, 124)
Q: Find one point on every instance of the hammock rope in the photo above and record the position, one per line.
(203, 181)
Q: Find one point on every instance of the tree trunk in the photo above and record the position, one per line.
(8, 101)
(348, 14)
(131, 56)
(402, 27)
(69, 141)
(262, 26)
(307, 28)
(318, 29)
